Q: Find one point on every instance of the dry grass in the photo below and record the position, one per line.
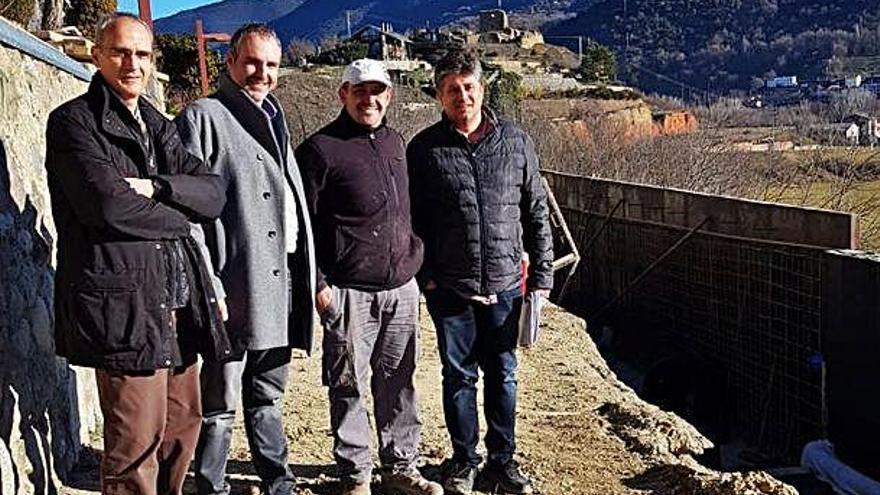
(840, 178)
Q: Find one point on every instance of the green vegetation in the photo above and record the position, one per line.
(598, 64)
(85, 14)
(595, 93)
(699, 46)
(180, 60)
(845, 66)
(505, 94)
(343, 53)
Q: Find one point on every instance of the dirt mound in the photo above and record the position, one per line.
(649, 431)
(681, 479)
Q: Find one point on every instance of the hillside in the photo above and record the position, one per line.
(315, 19)
(681, 47)
(226, 15)
(712, 45)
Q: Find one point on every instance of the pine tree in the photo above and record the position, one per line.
(598, 64)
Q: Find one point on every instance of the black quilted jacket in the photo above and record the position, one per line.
(477, 207)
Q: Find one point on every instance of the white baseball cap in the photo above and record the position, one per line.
(366, 70)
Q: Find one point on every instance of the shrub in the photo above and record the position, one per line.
(179, 58)
(19, 11)
(85, 14)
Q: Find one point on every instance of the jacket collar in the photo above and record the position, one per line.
(487, 112)
(345, 127)
(114, 118)
(252, 118)
(114, 114)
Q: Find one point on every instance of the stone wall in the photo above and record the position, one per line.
(47, 408)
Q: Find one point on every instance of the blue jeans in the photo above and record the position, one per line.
(473, 336)
(261, 377)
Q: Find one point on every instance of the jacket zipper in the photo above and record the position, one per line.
(472, 154)
(387, 178)
(392, 268)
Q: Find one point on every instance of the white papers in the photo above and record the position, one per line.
(529, 319)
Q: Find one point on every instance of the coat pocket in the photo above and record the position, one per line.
(108, 309)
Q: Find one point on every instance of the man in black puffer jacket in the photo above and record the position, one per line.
(356, 187)
(477, 204)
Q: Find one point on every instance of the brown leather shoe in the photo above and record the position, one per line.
(410, 482)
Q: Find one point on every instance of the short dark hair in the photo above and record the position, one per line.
(108, 21)
(457, 61)
(256, 29)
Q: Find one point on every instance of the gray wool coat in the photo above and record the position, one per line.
(269, 293)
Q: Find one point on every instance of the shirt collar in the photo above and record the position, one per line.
(269, 107)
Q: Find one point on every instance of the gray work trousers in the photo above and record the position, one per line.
(372, 333)
(261, 376)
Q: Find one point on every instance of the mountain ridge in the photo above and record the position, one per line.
(681, 47)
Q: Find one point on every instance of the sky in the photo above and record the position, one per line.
(162, 8)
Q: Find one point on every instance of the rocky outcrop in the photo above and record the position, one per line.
(47, 408)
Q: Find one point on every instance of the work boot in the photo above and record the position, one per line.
(410, 482)
(458, 478)
(507, 478)
(353, 487)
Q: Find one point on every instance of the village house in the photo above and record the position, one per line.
(869, 131)
(839, 134)
(383, 43)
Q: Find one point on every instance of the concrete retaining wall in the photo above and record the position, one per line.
(729, 321)
(729, 216)
(852, 344)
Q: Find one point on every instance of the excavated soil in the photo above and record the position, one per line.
(579, 429)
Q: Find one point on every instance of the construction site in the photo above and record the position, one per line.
(696, 344)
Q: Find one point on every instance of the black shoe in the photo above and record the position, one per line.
(458, 478)
(507, 478)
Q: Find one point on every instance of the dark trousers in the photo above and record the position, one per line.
(261, 376)
(151, 423)
(472, 336)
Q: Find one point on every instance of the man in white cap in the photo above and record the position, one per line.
(357, 191)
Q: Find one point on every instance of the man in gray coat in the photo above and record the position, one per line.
(262, 253)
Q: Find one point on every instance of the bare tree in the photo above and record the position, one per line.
(299, 49)
(852, 101)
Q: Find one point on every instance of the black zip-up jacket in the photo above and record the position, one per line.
(357, 189)
(112, 303)
(477, 206)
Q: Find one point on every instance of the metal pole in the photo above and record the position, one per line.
(203, 60)
(145, 12)
(580, 49)
(598, 232)
(348, 22)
